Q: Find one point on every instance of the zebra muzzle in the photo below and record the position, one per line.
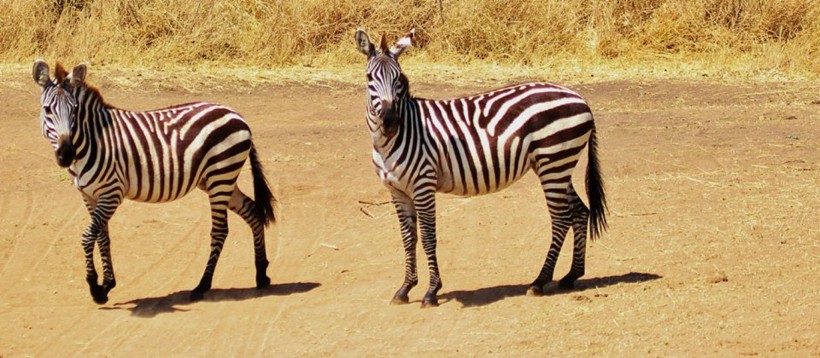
(65, 153)
(389, 119)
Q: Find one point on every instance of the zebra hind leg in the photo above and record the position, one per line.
(219, 231)
(245, 207)
(580, 216)
(561, 222)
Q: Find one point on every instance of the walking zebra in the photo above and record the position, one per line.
(154, 156)
(478, 145)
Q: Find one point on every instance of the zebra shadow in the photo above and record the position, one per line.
(152, 306)
(488, 295)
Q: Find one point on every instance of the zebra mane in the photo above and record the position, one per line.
(60, 75)
(94, 92)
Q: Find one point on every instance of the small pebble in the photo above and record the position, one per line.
(718, 278)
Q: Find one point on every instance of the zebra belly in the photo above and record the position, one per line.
(164, 196)
(465, 184)
(159, 178)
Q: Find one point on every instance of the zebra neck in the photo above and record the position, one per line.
(93, 118)
(87, 95)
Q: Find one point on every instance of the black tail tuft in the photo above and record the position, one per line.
(261, 191)
(595, 191)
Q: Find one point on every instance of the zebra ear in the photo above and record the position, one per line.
(40, 73)
(364, 45)
(403, 43)
(78, 75)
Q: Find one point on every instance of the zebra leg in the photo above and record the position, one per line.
(245, 207)
(219, 231)
(104, 244)
(88, 241)
(425, 202)
(101, 212)
(561, 221)
(406, 212)
(580, 216)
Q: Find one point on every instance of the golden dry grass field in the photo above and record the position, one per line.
(639, 38)
(709, 144)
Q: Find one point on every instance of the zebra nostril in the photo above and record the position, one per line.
(65, 154)
(387, 110)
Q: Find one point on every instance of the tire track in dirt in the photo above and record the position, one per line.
(259, 337)
(121, 328)
(287, 298)
(4, 210)
(167, 257)
(249, 337)
(28, 219)
(88, 343)
(58, 234)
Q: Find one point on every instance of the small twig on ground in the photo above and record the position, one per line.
(636, 214)
(366, 213)
(373, 204)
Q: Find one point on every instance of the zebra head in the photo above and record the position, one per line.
(387, 86)
(58, 111)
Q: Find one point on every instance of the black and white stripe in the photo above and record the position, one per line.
(477, 145)
(153, 156)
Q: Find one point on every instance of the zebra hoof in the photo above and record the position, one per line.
(428, 303)
(100, 300)
(263, 282)
(535, 291)
(99, 294)
(197, 295)
(566, 284)
(400, 300)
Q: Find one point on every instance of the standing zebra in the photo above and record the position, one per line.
(154, 156)
(478, 145)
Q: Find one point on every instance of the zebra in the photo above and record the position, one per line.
(155, 156)
(478, 145)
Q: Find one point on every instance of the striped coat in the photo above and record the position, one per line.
(153, 156)
(475, 145)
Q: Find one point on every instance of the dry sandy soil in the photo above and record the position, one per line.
(713, 247)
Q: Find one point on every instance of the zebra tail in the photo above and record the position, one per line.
(595, 191)
(261, 191)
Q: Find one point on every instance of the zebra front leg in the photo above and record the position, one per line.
(219, 231)
(425, 201)
(245, 207)
(560, 225)
(580, 217)
(406, 212)
(97, 231)
(97, 292)
(104, 244)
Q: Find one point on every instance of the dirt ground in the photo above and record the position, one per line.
(713, 247)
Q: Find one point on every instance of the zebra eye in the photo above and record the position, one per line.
(47, 110)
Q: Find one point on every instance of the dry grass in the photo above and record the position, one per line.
(489, 38)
